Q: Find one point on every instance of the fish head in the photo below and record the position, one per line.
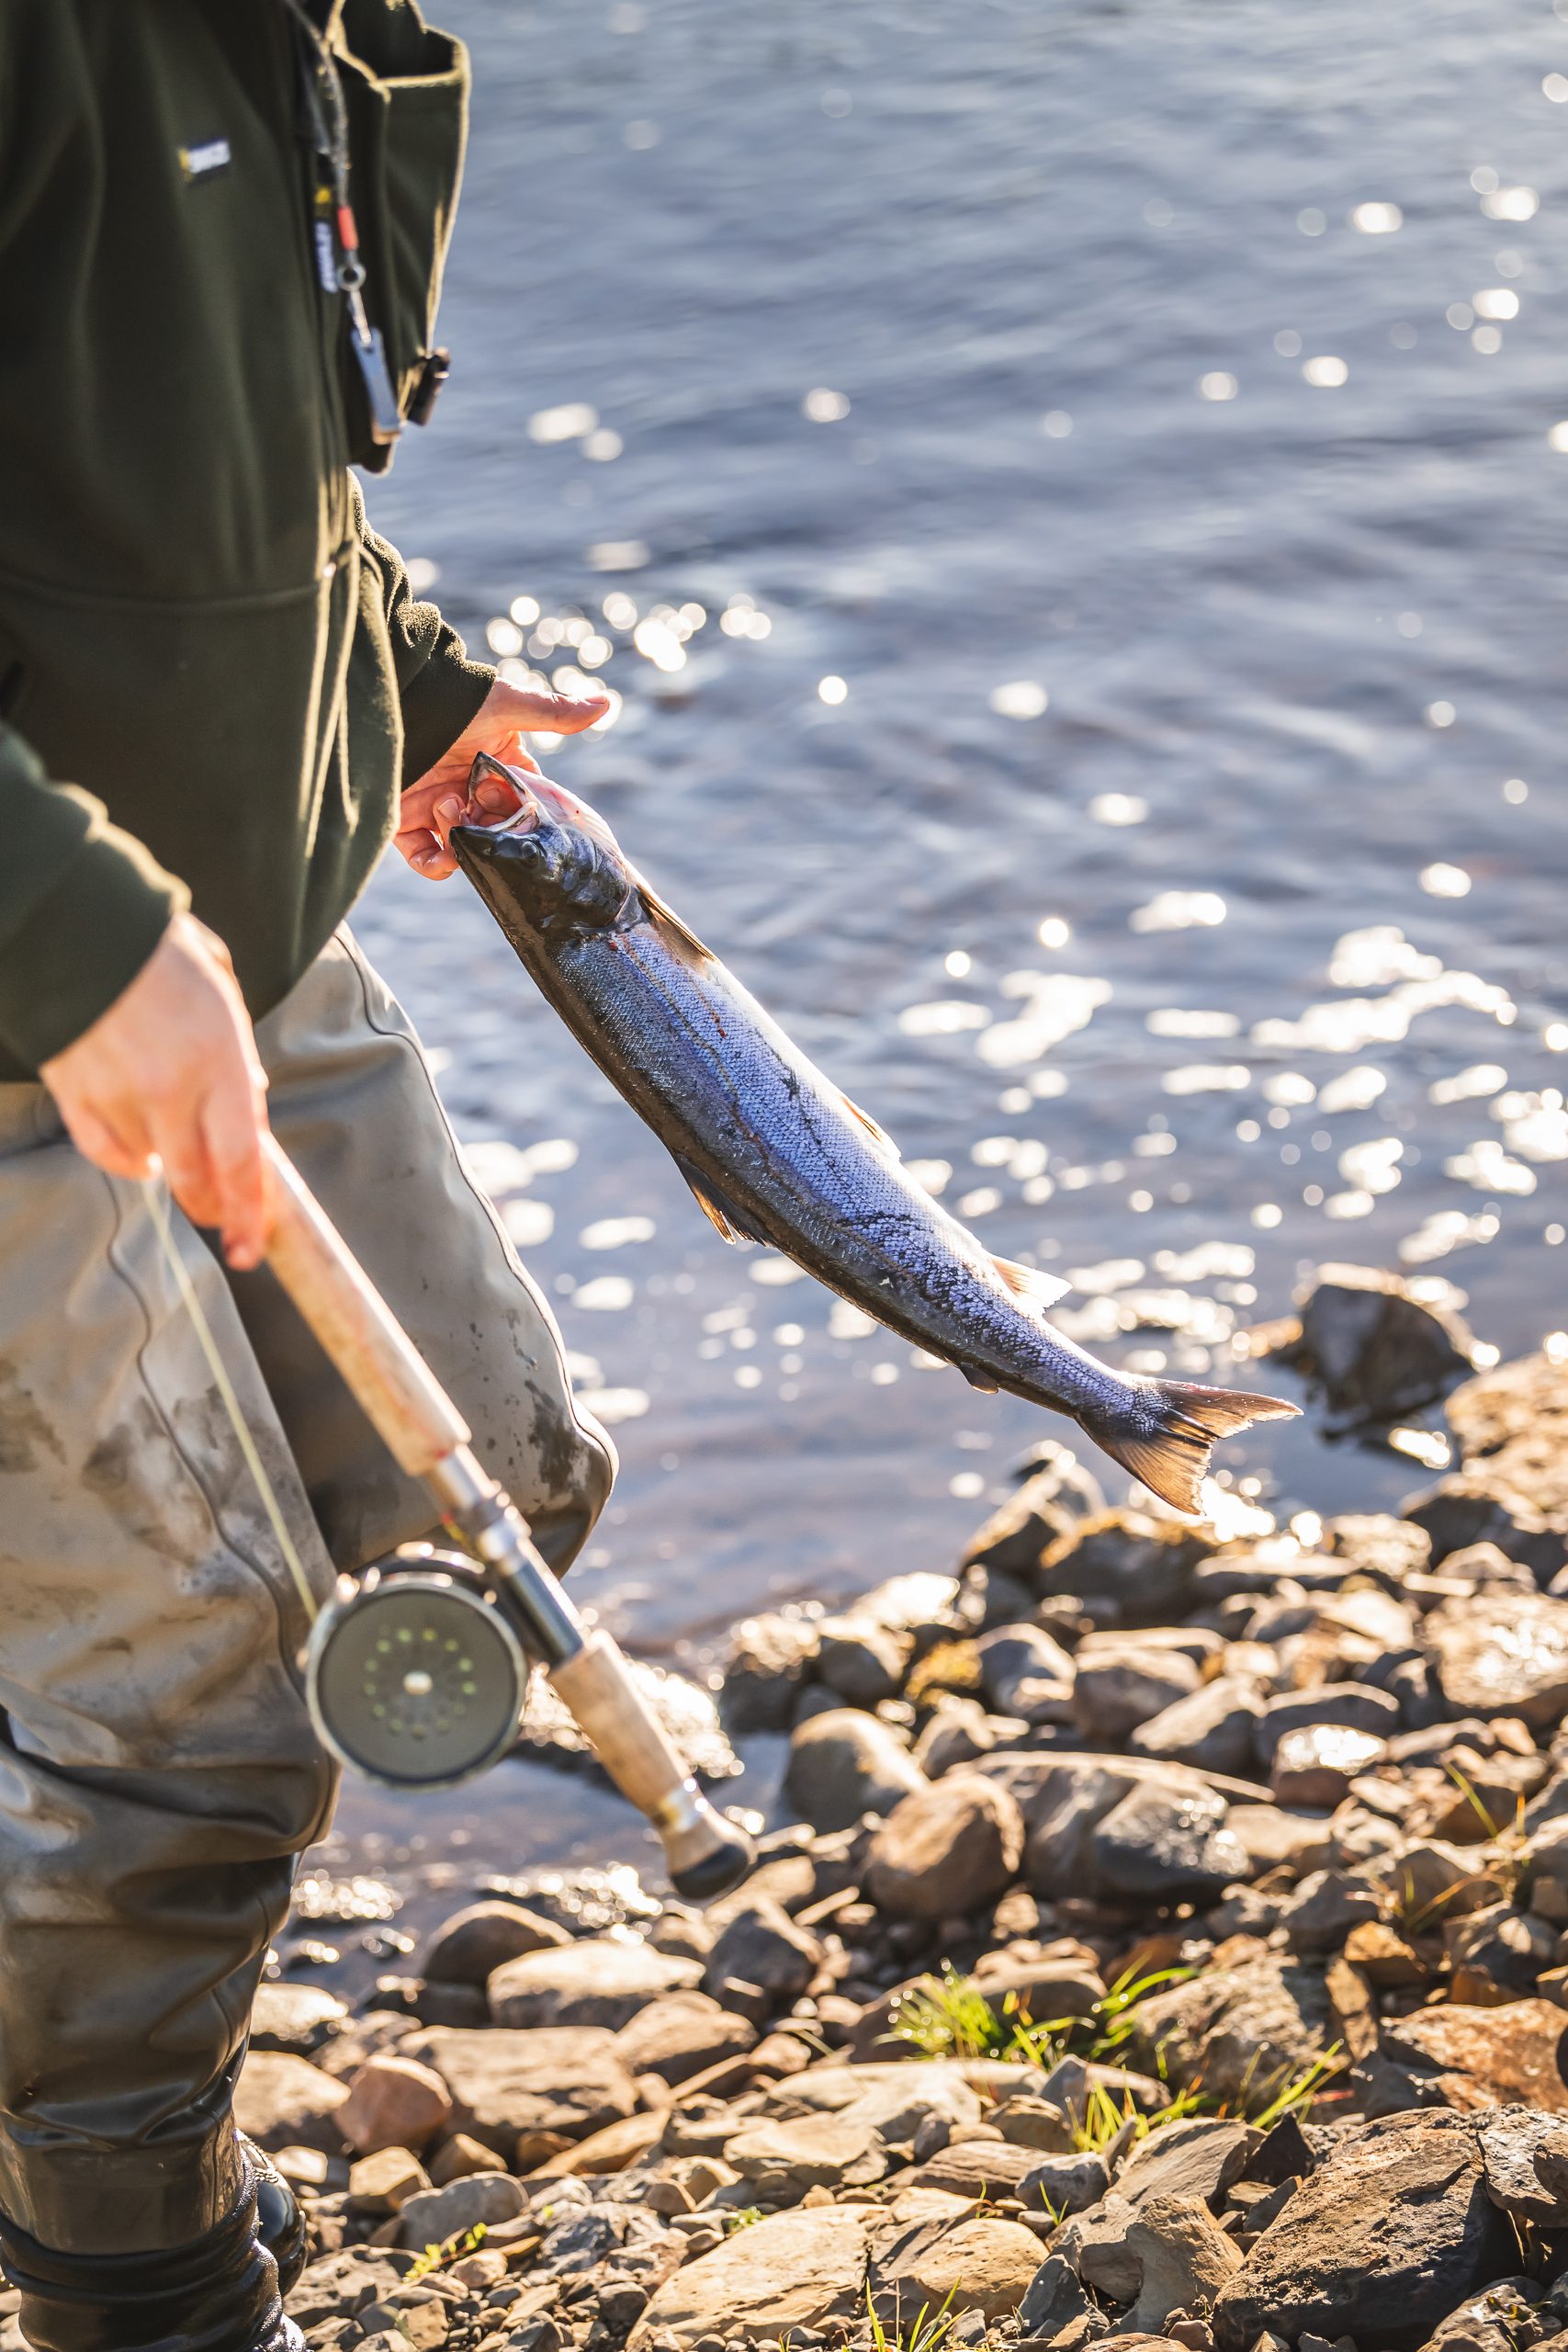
(554, 860)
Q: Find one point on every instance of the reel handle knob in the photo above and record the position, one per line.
(707, 1856)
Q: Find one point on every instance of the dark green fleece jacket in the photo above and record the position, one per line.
(213, 674)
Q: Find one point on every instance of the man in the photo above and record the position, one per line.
(221, 229)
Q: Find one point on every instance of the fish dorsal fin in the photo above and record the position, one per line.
(978, 1379)
(733, 1224)
(679, 935)
(878, 1135)
(1033, 1290)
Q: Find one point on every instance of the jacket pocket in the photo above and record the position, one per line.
(408, 130)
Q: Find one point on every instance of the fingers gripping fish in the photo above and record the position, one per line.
(774, 1153)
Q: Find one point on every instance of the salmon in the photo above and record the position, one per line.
(775, 1153)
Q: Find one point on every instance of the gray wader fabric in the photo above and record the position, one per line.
(158, 1771)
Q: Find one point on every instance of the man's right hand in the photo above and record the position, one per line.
(170, 1073)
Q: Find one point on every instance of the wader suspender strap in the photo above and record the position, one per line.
(337, 230)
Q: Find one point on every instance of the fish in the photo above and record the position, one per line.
(777, 1154)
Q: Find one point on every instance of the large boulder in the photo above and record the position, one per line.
(947, 1851)
(843, 1764)
(1164, 1843)
(1120, 1827)
(1380, 2242)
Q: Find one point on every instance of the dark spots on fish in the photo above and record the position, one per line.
(24, 1428)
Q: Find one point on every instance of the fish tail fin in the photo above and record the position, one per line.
(1165, 1437)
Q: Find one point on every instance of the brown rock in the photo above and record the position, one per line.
(843, 1764)
(762, 1960)
(1185, 2260)
(1502, 1653)
(1315, 1764)
(597, 1982)
(557, 2078)
(680, 2034)
(456, 2158)
(282, 2102)
(394, 2103)
(471, 1945)
(1475, 2058)
(384, 2182)
(792, 2270)
(1526, 2156)
(294, 2018)
(1116, 1690)
(1385, 1958)
(610, 2150)
(946, 1851)
(1144, 1568)
(1048, 1505)
(815, 2151)
(1242, 2032)
(975, 2168)
(437, 2214)
(980, 2264)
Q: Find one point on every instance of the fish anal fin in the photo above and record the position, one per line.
(1167, 1446)
(978, 1379)
(877, 1133)
(733, 1224)
(664, 919)
(1033, 1290)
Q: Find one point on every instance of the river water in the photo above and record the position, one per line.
(1065, 497)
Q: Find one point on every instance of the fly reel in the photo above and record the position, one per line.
(413, 1675)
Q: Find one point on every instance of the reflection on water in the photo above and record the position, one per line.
(1070, 506)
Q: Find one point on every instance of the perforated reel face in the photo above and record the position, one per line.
(413, 1676)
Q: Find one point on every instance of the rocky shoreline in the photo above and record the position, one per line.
(1169, 1942)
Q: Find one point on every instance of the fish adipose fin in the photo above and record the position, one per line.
(721, 1213)
(980, 1379)
(1169, 1443)
(1033, 1290)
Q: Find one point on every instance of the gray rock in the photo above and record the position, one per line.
(1355, 1704)
(342, 2284)
(1185, 2260)
(1384, 2240)
(770, 1661)
(1372, 1350)
(1502, 1653)
(1065, 2184)
(1212, 1728)
(681, 2034)
(1055, 2303)
(958, 1732)
(762, 1960)
(947, 1851)
(570, 2079)
(1480, 1505)
(593, 1981)
(790, 2271)
(1140, 1570)
(1503, 2318)
(975, 2168)
(437, 2214)
(844, 1764)
(1049, 1504)
(1199, 2158)
(1526, 2158)
(1025, 1673)
(1115, 1691)
(1315, 1764)
(1164, 1843)
(862, 1661)
(1065, 1798)
(1031, 2121)
(1242, 2032)
(469, 1948)
(1430, 1882)
(295, 2018)
(1324, 1907)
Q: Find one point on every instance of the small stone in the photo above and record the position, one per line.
(1388, 1961)
(1055, 2303)
(1199, 2158)
(280, 2101)
(1049, 1504)
(958, 1732)
(1186, 2259)
(303, 2167)
(1430, 1882)
(1211, 1729)
(470, 1946)
(1475, 2058)
(1030, 2123)
(1526, 2158)
(1355, 1705)
(1065, 2184)
(1025, 1673)
(384, 2182)
(1165, 1844)
(843, 1764)
(1115, 1691)
(760, 1948)
(975, 2168)
(681, 2034)
(294, 2018)
(769, 1660)
(1315, 1764)
(394, 2103)
(1326, 1907)
(1502, 1653)
(456, 2158)
(1373, 1350)
(947, 1851)
(568, 2079)
(814, 2151)
(595, 1982)
(862, 1662)
(442, 2213)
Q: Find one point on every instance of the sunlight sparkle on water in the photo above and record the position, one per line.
(1178, 911)
(1054, 931)
(1021, 699)
(824, 407)
(1377, 220)
(1326, 371)
(832, 690)
(1125, 808)
(1442, 881)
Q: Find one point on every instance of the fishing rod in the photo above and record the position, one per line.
(417, 1671)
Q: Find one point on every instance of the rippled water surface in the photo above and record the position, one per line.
(1067, 497)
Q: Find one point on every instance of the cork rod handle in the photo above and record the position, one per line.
(411, 1414)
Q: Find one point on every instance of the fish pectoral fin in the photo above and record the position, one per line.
(733, 1224)
(878, 1134)
(1033, 1290)
(680, 936)
(980, 1379)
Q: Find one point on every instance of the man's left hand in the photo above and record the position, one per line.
(439, 800)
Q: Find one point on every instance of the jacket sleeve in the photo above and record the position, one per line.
(439, 688)
(82, 907)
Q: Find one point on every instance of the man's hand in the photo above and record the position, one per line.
(440, 799)
(171, 1073)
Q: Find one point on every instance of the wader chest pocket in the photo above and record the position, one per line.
(406, 135)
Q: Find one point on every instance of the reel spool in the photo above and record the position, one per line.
(412, 1674)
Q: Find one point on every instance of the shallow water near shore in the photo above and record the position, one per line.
(1084, 593)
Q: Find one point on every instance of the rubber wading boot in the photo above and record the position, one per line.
(217, 2293)
(280, 2223)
